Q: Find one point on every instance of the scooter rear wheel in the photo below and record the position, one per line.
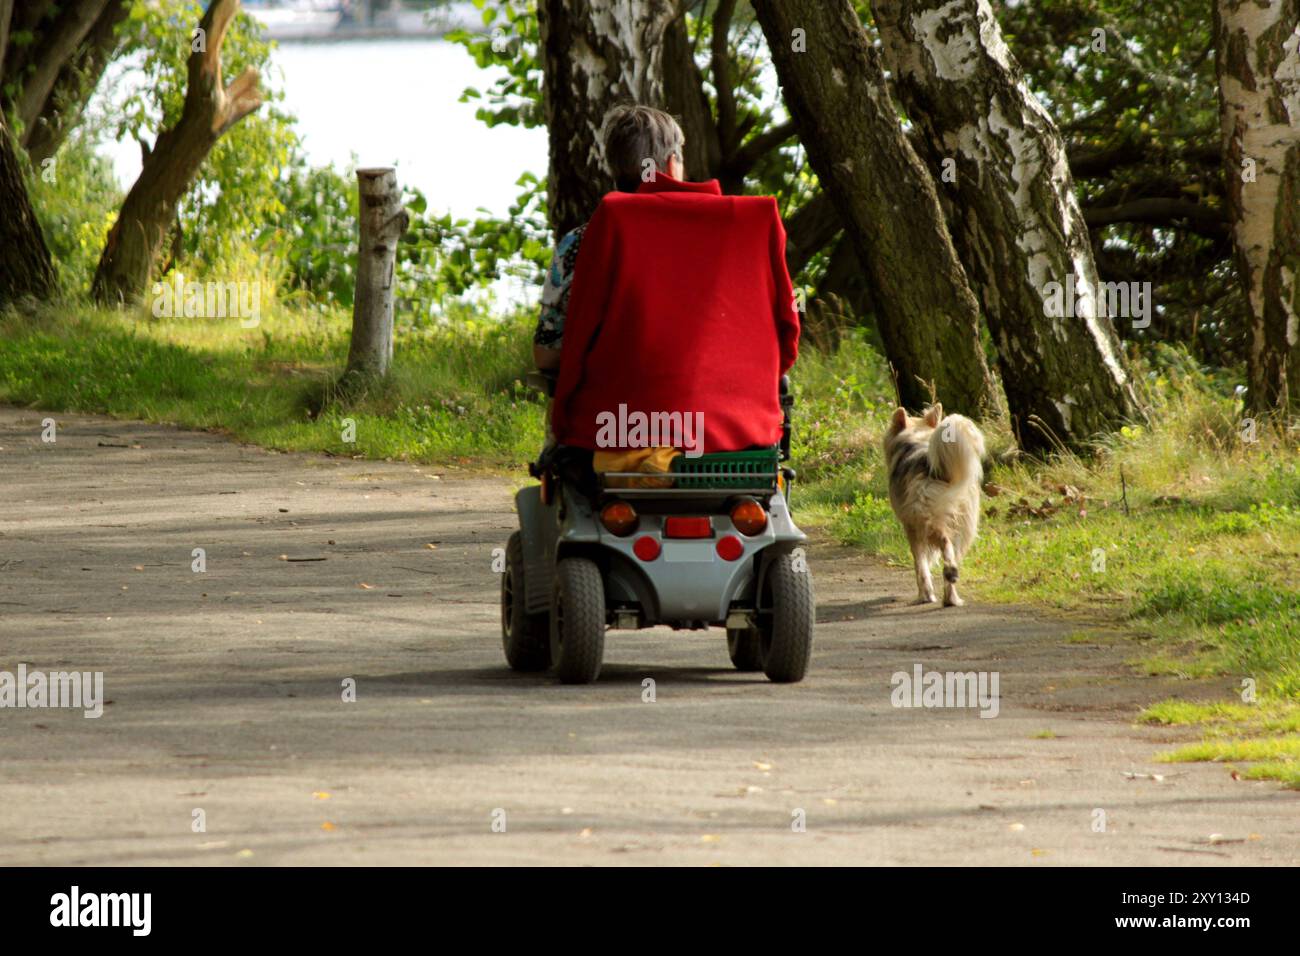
(524, 636)
(745, 648)
(577, 621)
(786, 620)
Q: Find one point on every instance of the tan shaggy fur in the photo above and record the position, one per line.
(935, 473)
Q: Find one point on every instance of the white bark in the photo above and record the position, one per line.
(595, 54)
(383, 221)
(1015, 220)
(1259, 95)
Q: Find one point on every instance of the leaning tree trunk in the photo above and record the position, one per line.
(1015, 220)
(383, 220)
(595, 54)
(25, 267)
(57, 45)
(74, 85)
(6, 19)
(1257, 52)
(835, 89)
(150, 207)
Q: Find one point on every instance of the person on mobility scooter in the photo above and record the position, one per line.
(662, 499)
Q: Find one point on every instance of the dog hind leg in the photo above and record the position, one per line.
(950, 573)
(922, 555)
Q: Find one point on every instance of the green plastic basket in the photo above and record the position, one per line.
(728, 469)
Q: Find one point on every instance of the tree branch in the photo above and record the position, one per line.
(744, 159)
(57, 46)
(720, 66)
(810, 229)
(1155, 211)
(75, 84)
(6, 15)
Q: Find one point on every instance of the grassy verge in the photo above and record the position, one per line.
(1185, 530)
(1181, 530)
(453, 395)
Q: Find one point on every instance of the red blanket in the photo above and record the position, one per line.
(681, 303)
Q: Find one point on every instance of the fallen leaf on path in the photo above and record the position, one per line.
(320, 795)
(328, 827)
(368, 587)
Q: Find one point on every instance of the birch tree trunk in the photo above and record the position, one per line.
(149, 209)
(1257, 53)
(834, 86)
(595, 54)
(383, 220)
(25, 266)
(1013, 217)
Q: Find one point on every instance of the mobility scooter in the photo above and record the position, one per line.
(712, 544)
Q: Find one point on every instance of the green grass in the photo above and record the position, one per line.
(1195, 548)
(1271, 758)
(1176, 531)
(1265, 734)
(453, 396)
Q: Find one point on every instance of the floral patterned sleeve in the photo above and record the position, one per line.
(555, 291)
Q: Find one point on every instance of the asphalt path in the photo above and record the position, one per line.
(226, 738)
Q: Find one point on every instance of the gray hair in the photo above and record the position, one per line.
(633, 134)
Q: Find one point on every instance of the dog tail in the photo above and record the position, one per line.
(956, 452)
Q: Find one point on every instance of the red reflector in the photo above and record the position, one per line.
(646, 548)
(688, 527)
(730, 548)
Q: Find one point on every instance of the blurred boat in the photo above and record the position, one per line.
(298, 21)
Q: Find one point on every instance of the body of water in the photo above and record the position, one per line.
(392, 103)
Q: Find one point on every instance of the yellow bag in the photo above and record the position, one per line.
(654, 461)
